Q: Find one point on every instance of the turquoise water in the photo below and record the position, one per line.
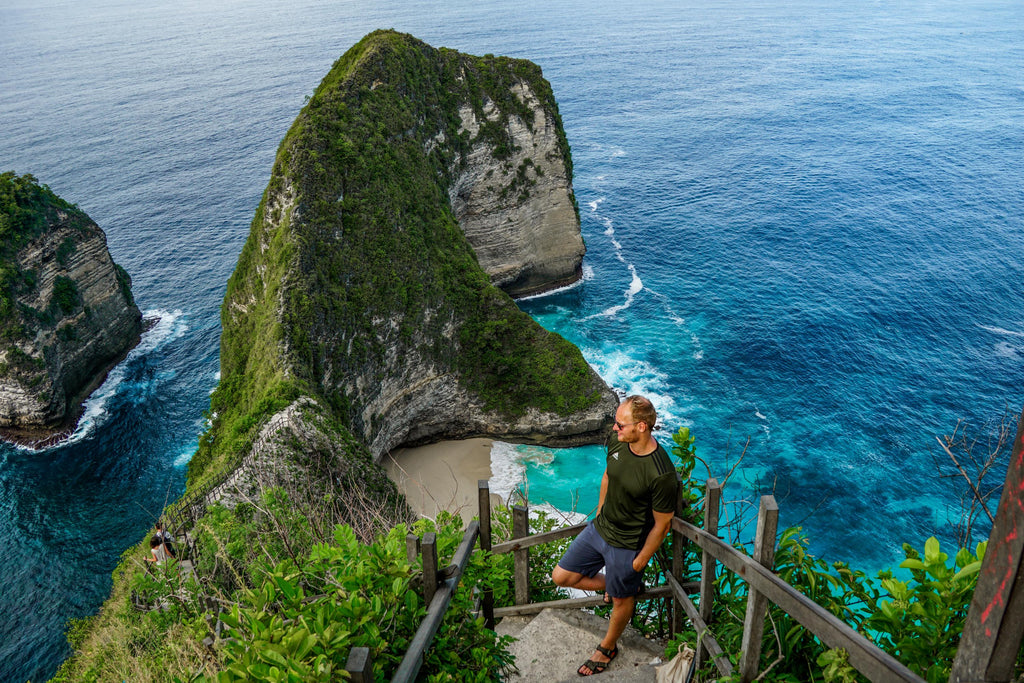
(804, 224)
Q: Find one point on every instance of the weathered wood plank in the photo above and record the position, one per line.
(521, 558)
(537, 539)
(874, 663)
(424, 636)
(359, 665)
(590, 601)
(707, 641)
(757, 603)
(995, 620)
(428, 549)
(678, 551)
(483, 498)
(712, 506)
(708, 570)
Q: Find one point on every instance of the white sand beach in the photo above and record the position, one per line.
(442, 476)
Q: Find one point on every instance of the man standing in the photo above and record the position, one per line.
(634, 513)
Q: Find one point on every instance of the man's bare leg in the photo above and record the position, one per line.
(567, 579)
(622, 612)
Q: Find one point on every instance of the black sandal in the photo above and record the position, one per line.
(598, 667)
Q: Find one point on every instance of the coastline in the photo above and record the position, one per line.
(442, 476)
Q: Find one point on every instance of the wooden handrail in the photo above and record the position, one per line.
(707, 641)
(865, 656)
(655, 593)
(413, 659)
(537, 539)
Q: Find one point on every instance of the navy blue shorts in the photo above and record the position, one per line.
(588, 553)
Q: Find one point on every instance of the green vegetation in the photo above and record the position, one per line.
(296, 593)
(65, 294)
(294, 599)
(26, 209)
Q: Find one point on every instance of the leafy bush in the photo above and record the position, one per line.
(293, 607)
(65, 294)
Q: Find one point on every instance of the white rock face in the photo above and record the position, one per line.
(417, 403)
(518, 213)
(65, 351)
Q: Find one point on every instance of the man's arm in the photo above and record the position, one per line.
(604, 490)
(662, 523)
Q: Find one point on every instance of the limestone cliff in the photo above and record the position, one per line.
(519, 212)
(66, 313)
(362, 283)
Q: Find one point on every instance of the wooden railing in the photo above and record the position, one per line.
(764, 586)
(439, 586)
(756, 570)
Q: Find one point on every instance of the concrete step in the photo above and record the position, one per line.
(552, 645)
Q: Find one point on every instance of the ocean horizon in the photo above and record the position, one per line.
(804, 225)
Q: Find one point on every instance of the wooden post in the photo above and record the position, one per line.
(757, 604)
(412, 547)
(678, 547)
(521, 558)
(995, 621)
(484, 503)
(708, 569)
(359, 665)
(429, 548)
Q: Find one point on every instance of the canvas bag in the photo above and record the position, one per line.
(680, 668)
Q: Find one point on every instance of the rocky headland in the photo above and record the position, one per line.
(417, 189)
(67, 315)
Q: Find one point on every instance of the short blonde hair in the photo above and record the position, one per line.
(642, 410)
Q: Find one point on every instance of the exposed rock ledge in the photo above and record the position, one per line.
(68, 316)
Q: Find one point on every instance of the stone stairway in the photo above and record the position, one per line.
(553, 644)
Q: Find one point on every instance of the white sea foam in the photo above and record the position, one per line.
(557, 290)
(635, 287)
(508, 473)
(765, 424)
(168, 326)
(1000, 330)
(186, 456)
(1006, 350)
(628, 375)
(596, 203)
(588, 272)
(698, 349)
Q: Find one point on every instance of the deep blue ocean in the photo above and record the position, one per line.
(805, 224)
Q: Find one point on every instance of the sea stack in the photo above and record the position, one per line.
(412, 183)
(67, 315)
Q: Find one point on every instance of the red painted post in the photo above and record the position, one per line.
(995, 621)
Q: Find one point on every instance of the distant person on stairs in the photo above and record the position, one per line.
(165, 537)
(634, 513)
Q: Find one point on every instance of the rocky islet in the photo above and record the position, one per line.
(67, 314)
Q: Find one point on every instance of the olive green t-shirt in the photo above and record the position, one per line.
(638, 485)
